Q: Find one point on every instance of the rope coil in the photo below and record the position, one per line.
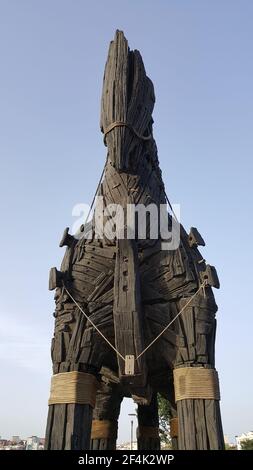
(115, 124)
(174, 427)
(73, 387)
(104, 429)
(196, 382)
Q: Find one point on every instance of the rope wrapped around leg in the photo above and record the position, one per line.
(73, 387)
(104, 429)
(196, 382)
(174, 427)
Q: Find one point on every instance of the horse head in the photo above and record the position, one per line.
(127, 105)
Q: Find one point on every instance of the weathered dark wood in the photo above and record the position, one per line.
(127, 313)
(107, 408)
(148, 419)
(78, 426)
(103, 444)
(201, 428)
(131, 288)
(68, 427)
(50, 420)
(199, 420)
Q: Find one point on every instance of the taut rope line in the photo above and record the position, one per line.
(93, 324)
(154, 340)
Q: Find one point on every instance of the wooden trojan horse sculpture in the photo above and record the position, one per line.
(132, 319)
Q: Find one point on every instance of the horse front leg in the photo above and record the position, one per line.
(74, 383)
(83, 288)
(195, 378)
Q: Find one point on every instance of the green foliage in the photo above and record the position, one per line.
(164, 419)
(247, 444)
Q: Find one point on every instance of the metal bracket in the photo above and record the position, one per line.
(129, 365)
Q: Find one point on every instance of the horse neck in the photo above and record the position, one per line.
(145, 186)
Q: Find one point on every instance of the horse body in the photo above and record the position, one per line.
(131, 288)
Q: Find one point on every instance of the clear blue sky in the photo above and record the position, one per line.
(199, 55)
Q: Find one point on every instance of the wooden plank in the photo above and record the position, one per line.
(214, 425)
(148, 417)
(105, 252)
(104, 286)
(103, 444)
(50, 420)
(201, 436)
(127, 312)
(78, 427)
(57, 438)
(148, 443)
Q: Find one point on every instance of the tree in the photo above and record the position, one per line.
(247, 444)
(164, 420)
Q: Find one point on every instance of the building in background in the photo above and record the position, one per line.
(244, 437)
(33, 443)
(127, 446)
(3, 443)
